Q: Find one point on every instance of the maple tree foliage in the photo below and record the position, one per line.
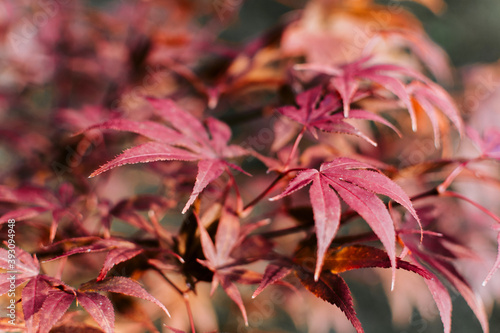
(147, 161)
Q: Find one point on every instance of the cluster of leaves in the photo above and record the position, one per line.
(302, 102)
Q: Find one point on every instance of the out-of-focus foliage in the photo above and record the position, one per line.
(144, 147)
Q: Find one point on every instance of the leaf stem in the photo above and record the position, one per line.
(285, 232)
(190, 313)
(472, 202)
(451, 177)
(177, 289)
(247, 209)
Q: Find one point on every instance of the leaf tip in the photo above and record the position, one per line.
(316, 275)
(414, 126)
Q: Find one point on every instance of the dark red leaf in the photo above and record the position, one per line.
(333, 289)
(355, 257)
(356, 183)
(100, 308)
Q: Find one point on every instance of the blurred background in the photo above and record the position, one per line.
(469, 31)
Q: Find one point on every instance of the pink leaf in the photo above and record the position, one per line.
(389, 76)
(302, 179)
(116, 256)
(226, 238)
(188, 133)
(100, 308)
(26, 267)
(442, 299)
(206, 243)
(347, 87)
(29, 195)
(273, 273)
(316, 112)
(489, 144)
(181, 120)
(208, 171)
(430, 96)
(326, 209)
(235, 295)
(365, 176)
(356, 183)
(147, 152)
(149, 129)
(431, 54)
(374, 212)
(472, 299)
(220, 133)
(123, 285)
(25, 263)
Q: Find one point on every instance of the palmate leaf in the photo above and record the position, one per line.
(356, 183)
(318, 112)
(186, 139)
(44, 301)
(229, 237)
(346, 80)
(218, 254)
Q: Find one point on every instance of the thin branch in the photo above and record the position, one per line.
(472, 202)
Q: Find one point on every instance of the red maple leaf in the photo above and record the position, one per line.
(186, 140)
(356, 183)
(318, 112)
(346, 79)
(229, 237)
